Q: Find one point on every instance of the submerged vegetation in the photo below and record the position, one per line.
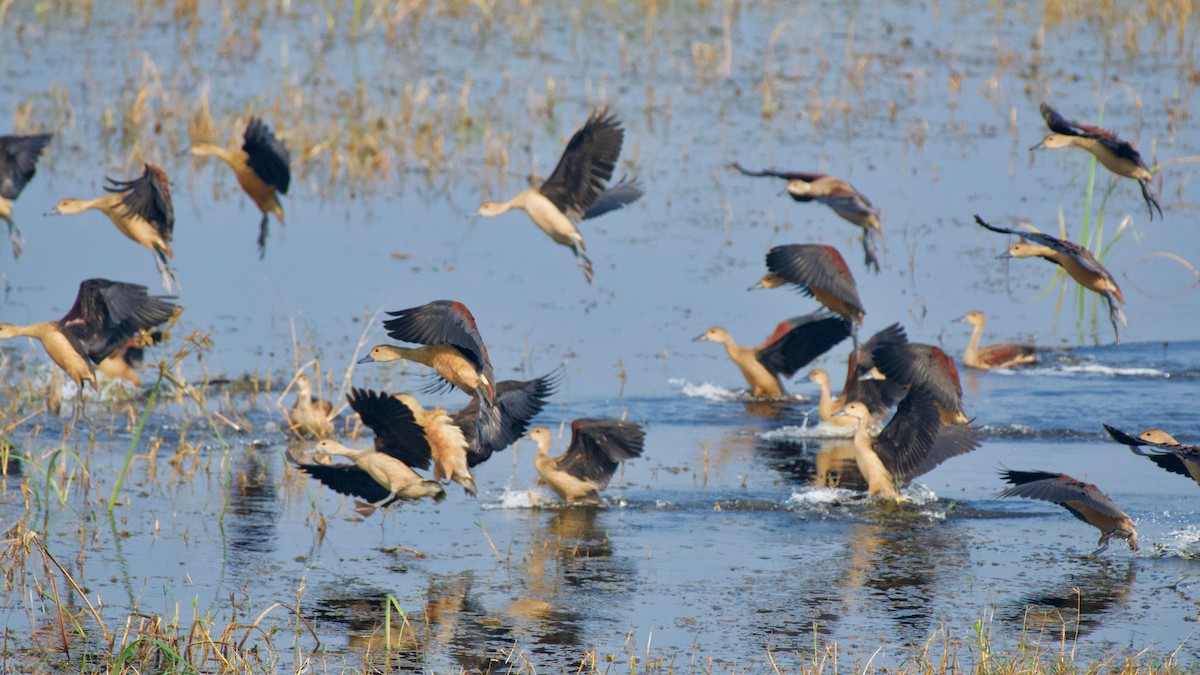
(367, 117)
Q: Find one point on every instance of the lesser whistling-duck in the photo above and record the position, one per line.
(878, 395)
(308, 416)
(18, 163)
(452, 346)
(141, 209)
(988, 357)
(838, 195)
(517, 403)
(1168, 453)
(1076, 261)
(445, 446)
(575, 191)
(912, 443)
(378, 475)
(597, 447)
(1118, 156)
(105, 315)
(793, 344)
(913, 363)
(262, 169)
(1084, 500)
(819, 272)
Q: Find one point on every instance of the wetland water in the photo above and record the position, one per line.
(715, 545)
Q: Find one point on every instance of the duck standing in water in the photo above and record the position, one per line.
(1118, 156)
(452, 346)
(793, 345)
(597, 448)
(576, 190)
(1076, 261)
(105, 315)
(988, 357)
(377, 475)
(18, 163)
(262, 168)
(141, 209)
(1084, 500)
(838, 195)
(309, 417)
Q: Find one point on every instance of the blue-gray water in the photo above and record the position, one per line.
(715, 545)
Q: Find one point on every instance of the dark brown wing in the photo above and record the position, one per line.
(909, 436)
(441, 322)
(878, 395)
(18, 162)
(815, 265)
(625, 192)
(920, 364)
(1057, 123)
(1083, 256)
(396, 430)
(1000, 229)
(518, 403)
(952, 440)
(348, 479)
(1059, 488)
(598, 446)
(796, 342)
(788, 175)
(1061, 125)
(1168, 459)
(1003, 353)
(148, 196)
(266, 155)
(586, 165)
(107, 313)
(864, 357)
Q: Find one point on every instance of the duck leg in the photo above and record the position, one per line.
(868, 243)
(164, 269)
(262, 237)
(15, 236)
(584, 262)
(1151, 202)
(1115, 314)
(1103, 544)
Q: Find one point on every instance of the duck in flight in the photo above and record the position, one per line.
(576, 190)
(1118, 156)
(1084, 500)
(141, 209)
(262, 167)
(1166, 452)
(838, 195)
(597, 448)
(1076, 261)
(18, 163)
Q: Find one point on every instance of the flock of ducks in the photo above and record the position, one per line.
(111, 321)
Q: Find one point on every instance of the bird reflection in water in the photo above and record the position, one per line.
(819, 463)
(253, 506)
(894, 566)
(1077, 603)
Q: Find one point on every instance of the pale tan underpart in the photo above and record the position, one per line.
(762, 382)
(447, 444)
(1082, 275)
(388, 471)
(570, 488)
(880, 482)
(60, 350)
(308, 416)
(115, 366)
(131, 225)
(445, 359)
(1110, 160)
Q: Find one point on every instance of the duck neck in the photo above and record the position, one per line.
(825, 407)
(973, 345)
(103, 203)
(230, 157)
(35, 330)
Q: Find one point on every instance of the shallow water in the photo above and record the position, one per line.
(715, 544)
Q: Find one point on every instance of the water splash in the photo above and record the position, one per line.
(718, 394)
(796, 432)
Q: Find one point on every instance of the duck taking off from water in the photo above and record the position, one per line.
(262, 168)
(1076, 261)
(378, 475)
(838, 195)
(106, 314)
(1007, 355)
(913, 442)
(18, 163)
(793, 345)
(141, 209)
(576, 190)
(452, 346)
(879, 396)
(597, 447)
(1084, 500)
(124, 362)
(1167, 452)
(1118, 156)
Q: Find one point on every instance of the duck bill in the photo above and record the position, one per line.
(53, 212)
(1039, 146)
(1004, 256)
(701, 337)
(366, 359)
